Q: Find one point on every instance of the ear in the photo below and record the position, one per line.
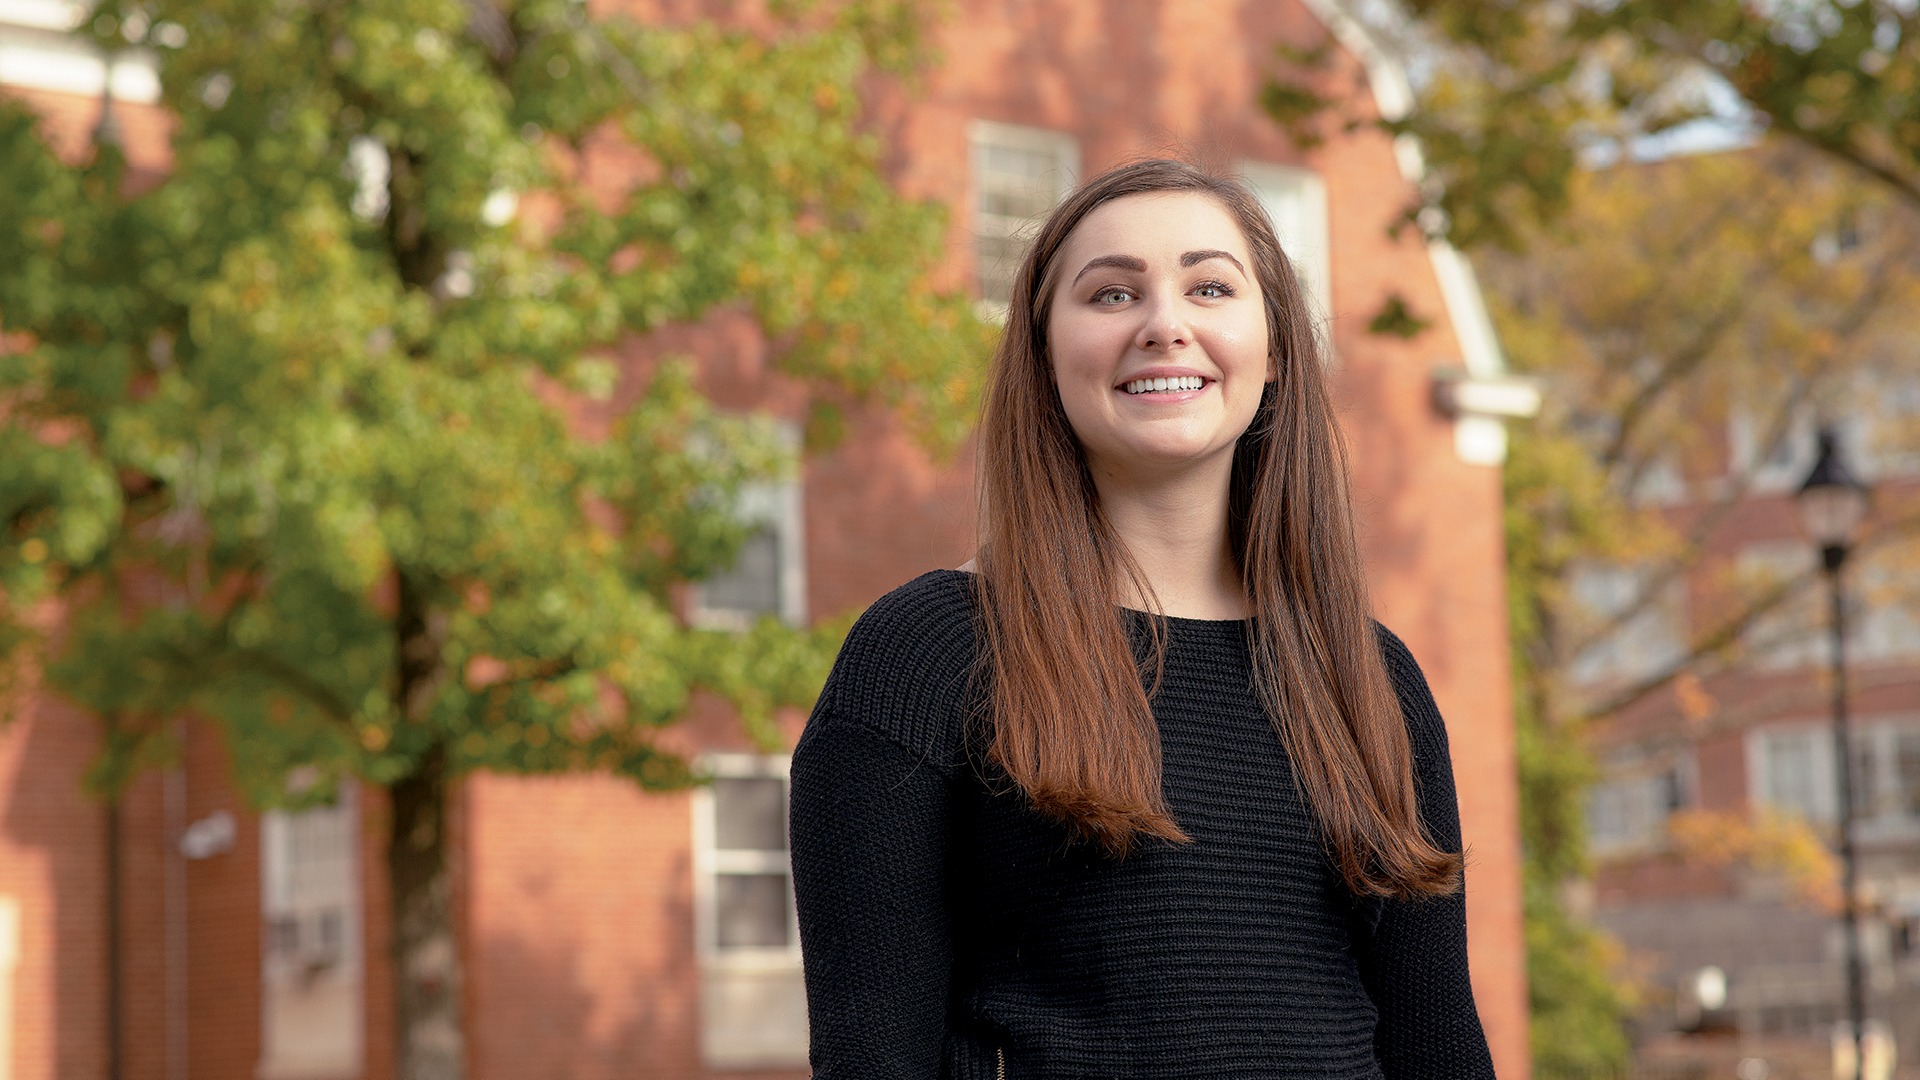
(1273, 368)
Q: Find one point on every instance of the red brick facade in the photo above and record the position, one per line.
(578, 892)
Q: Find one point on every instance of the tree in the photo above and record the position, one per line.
(1657, 310)
(289, 434)
(1518, 91)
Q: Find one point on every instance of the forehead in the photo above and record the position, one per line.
(1156, 223)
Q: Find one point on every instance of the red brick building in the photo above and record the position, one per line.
(610, 933)
(1741, 962)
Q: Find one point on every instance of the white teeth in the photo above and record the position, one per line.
(1177, 383)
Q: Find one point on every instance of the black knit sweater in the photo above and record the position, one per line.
(951, 931)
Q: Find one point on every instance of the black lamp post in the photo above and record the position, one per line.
(1833, 502)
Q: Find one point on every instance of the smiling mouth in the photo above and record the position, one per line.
(1174, 385)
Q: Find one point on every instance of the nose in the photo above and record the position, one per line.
(1162, 325)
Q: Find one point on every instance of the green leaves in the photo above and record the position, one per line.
(298, 436)
(1525, 85)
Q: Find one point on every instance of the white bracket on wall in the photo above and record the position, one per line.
(39, 48)
(1479, 405)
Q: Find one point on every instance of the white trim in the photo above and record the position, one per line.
(61, 15)
(38, 53)
(709, 862)
(1477, 440)
(1392, 91)
(752, 1001)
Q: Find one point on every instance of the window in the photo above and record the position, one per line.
(39, 50)
(1794, 633)
(1886, 602)
(311, 974)
(1883, 619)
(1906, 774)
(753, 1000)
(1629, 646)
(1629, 809)
(1889, 421)
(1886, 779)
(768, 577)
(1777, 465)
(1019, 173)
(1792, 770)
(1296, 200)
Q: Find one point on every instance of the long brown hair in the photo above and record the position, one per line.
(1071, 724)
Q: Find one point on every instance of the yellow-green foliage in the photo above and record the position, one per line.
(267, 424)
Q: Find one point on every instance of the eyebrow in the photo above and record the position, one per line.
(1195, 258)
(1123, 262)
(1139, 265)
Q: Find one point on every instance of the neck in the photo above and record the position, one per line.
(1176, 530)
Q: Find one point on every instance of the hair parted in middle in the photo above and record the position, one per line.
(1068, 704)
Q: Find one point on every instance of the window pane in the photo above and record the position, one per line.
(751, 910)
(1790, 775)
(752, 583)
(1865, 780)
(1909, 765)
(1017, 179)
(750, 814)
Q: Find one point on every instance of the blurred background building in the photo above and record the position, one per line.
(610, 933)
(1705, 656)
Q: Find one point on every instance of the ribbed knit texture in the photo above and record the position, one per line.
(950, 930)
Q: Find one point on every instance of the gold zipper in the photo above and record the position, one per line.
(999, 1064)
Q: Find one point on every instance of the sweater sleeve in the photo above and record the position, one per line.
(870, 841)
(874, 786)
(1413, 953)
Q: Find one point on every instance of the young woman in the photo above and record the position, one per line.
(1142, 791)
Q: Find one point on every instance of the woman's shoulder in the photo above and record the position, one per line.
(933, 611)
(906, 668)
(1424, 724)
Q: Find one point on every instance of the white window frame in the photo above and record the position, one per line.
(1817, 738)
(1883, 818)
(39, 50)
(1638, 789)
(1884, 623)
(1876, 740)
(1295, 199)
(779, 968)
(779, 507)
(342, 972)
(1887, 408)
(1065, 150)
(1794, 634)
(1655, 637)
(1770, 477)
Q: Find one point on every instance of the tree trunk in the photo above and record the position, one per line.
(430, 1044)
(429, 1035)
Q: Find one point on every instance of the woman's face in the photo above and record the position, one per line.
(1158, 335)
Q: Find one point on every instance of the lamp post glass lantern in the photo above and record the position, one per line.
(1833, 503)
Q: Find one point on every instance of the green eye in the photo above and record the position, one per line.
(1111, 297)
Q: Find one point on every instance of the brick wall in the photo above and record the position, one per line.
(577, 890)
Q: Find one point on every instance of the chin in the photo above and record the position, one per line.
(1167, 456)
